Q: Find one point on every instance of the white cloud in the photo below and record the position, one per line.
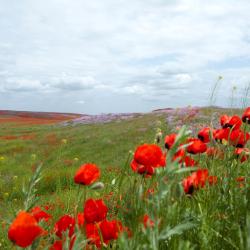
(70, 83)
(153, 48)
(17, 84)
(80, 102)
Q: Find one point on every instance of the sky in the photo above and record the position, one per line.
(101, 56)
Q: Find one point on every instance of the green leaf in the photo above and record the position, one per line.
(177, 230)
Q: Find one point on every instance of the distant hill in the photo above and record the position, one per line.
(30, 117)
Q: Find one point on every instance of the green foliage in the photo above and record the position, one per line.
(216, 217)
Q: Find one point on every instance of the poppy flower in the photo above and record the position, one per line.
(189, 162)
(196, 146)
(224, 119)
(92, 234)
(146, 158)
(212, 179)
(204, 135)
(200, 177)
(66, 222)
(233, 122)
(58, 245)
(238, 138)
(242, 153)
(80, 219)
(110, 229)
(170, 140)
(196, 180)
(221, 134)
(188, 184)
(179, 155)
(147, 221)
(39, 214)
(141, 169)
(95, 210)
(24, 230)
(150, 191)
(246, 116)
(87, 174)
(241, 180)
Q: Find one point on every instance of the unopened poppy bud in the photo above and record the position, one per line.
(97, 186)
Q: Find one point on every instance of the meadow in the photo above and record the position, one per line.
(150, 208)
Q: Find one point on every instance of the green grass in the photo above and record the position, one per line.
(215, 217)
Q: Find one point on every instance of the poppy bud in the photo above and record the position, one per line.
(97, 186)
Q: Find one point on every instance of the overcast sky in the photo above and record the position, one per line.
(94, 56)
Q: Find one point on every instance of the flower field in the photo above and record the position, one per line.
(171, 179)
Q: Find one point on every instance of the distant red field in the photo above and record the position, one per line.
(34, 118)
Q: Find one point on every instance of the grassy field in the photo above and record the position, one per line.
(215, 217)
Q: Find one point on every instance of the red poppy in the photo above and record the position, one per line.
(80, 219)
(200, 177)
(204, 134)
(141, 169)
(146, 158)
(246, 116)
(66, 222)
(189, 162)
(188, 184)
(39, 214)
(110, 229)
(92, 234)
(212, 179)
(233, 122)
(179, 155)
(242, 153)
(241, 180)
(58, 245)
(150, 191)
(197, 180)
(224, 120)
(170, 140)
(147, 221)
(49, 207)
(221, 134)
(87, 174)
(238, 138)
(196, 146)
(24, 230)
(95, 210)
(235, 137)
